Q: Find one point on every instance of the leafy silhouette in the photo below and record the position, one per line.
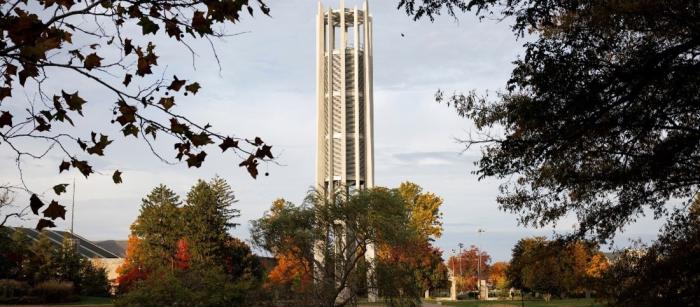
(35, 203)
(5, 119)
(86, 42)
(54, 211)
(117, 176)
(60, 188)
(44, 223)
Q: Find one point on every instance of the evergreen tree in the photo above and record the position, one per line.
(159, 227)
(66, 262)
(208, 215)
(38, 266)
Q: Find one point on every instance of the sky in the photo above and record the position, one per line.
(265, 87)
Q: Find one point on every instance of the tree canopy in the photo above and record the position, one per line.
(46, 42)
(599, 116)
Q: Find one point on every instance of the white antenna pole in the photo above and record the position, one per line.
(72, 211)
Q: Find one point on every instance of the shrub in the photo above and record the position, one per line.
(93, 280)
(11, 290)
(208, 286)
(54, 291)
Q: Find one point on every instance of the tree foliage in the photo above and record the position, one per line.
(466, 265)
(185, 244)
(555, 267)
(108, 47)
(340, 227)
(424, 210)
(664, 273)
(598, 118)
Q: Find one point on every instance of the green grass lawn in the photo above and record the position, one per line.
(528, 303)
(88, 301)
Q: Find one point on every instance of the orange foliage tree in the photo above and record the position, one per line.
(131, 269)
(183, 256)
(497, 274)
(466, 267)
(290, 271)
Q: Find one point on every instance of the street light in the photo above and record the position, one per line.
(478, 265)
(460, 258)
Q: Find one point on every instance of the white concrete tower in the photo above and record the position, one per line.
(345, 117)
(345, 140)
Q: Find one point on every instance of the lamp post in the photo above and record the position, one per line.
(478, 265)
(460, 257)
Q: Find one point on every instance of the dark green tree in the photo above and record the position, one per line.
(159, 226)
(209, 217)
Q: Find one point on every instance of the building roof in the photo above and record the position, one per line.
(117, 247)
(86, 248)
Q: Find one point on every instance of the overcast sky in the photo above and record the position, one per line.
(266, 88)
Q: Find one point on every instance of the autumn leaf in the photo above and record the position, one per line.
(167, 102)
(7, 92)
(127, 79)
(193, 88)
(35, 203)
(65, 165)
(200, 139)
(83, 167)
(147, 26)
(117, 177)
(54, 211)
(128, 113)
(5, 119)
(44, 223)
(99, 147)
(92, 61)
(251, 164)
(128, 47)
(264, 151)
(176, 84)
(74, 102)
(60, 188)
(228, 143)
(196, 160)
(200, 23)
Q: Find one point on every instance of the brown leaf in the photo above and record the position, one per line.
(127, 79)
(92, 61)
(200, 139)
(60, 188)
(5, 92)
(251, 164)
(264, 151)
(167, 102)
(65, 165)
(193, 88)
(176, 84)
(35, 203)
(128, 113)
(65, 3)
(5, 119)
(117, 177)
(83, 167)
(128, 47)
(200, 23)
(196, 160)
(44, 223)
(147, 26)
(74, 101)
(228, 143)
(28, 71)
(54, 211)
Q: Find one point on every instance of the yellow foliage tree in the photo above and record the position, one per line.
(424, 208)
